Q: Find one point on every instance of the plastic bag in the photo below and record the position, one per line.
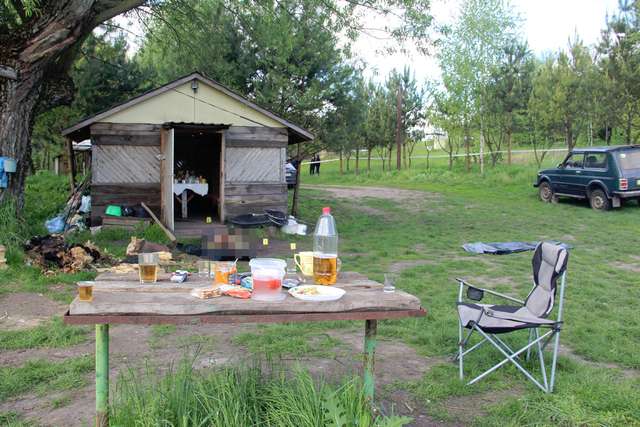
(85, 204)
(55, 224)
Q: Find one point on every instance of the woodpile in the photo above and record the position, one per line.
(52, 251)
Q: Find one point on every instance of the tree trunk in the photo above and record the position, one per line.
(399, 130)
(38, 56)
(467, 148)
(397, 157)
(341, 166)
(357, 160)
(369, 160)
(508, 136)
(568, 134)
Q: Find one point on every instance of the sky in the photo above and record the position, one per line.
(547, 25)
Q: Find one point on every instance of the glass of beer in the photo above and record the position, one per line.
(325, 269)
(85, 291)
(148, 266)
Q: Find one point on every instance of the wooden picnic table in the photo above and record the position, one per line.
(122, 299)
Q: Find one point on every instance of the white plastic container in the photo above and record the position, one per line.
(267, 275)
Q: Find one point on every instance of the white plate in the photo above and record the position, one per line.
(325, 293)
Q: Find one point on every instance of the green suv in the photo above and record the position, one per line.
(604, 175)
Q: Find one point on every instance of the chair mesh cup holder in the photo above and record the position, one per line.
(475, 294)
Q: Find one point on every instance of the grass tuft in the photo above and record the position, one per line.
(42, 376)
(53, 334)
(241, 396)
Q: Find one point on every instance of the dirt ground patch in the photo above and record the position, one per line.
(400, 266)
(634, 268)
(626, 372)
(26, 310)
(412, 200)
(466, 408)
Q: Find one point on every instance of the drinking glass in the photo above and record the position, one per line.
(85, 291)
(204, 268)
(223, 270)
(148, 267)
(390, 280)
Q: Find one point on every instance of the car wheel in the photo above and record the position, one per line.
(599, 201)
(545, 192)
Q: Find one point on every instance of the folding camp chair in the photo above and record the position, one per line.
(549, 262)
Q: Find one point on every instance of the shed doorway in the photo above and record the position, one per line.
(195, 155)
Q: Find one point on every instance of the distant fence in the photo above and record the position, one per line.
(446, 156)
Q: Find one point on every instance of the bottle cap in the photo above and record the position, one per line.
(326, 210)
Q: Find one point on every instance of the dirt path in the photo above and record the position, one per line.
(412, 200)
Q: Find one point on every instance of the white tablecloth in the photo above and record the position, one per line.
(201, 189)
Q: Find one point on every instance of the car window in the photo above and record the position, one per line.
(574, 161)
(629, 160)
(595, 160)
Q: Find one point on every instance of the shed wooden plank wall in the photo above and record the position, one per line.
(126, 167)
(254, 170)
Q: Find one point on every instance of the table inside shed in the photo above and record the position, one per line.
(122, 299)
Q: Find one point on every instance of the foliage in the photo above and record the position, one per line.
(240, 397)
(620, 63)
(473, 49)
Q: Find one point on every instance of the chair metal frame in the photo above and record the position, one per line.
(535, 339)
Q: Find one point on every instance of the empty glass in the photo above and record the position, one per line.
(390, 280)
(204, 268)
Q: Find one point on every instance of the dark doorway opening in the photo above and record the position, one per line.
(197, 160)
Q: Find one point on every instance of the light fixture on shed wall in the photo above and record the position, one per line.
(194, 85)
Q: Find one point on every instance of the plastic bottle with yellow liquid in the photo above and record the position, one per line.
(325, 249)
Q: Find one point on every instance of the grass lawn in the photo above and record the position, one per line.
(598, 379)
(599, 384)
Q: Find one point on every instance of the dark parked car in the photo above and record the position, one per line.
(604, 175)
(290, 174)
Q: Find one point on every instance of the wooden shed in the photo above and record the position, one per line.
(192, 130)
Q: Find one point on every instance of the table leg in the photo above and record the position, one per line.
(370, 330)
(102, 375)
(184, 202)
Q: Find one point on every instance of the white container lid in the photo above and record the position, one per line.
(270, 263)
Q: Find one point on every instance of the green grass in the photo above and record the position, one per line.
(158, 332)
(42, 376)
(59, 286)
(459, 207)
(601, 316)
(53, 334)
(301, 340)
(240, 396)
(13, 419)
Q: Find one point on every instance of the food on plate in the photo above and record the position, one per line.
(317, 293)
(307, 290)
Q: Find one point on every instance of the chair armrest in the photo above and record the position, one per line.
(462, 282)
